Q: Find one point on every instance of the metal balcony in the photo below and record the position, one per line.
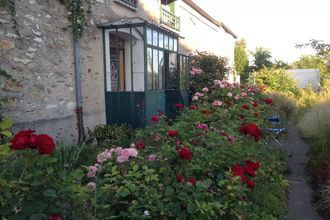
(169, 19)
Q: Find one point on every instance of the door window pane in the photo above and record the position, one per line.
(161, 68)
(165, 41)
(154, 38)
(149, 36)
(155, 70)
(170, 43)
(161, 40)
(173, 76)
(149, 66)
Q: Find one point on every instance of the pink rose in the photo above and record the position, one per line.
(195, 98)
(151, 157)
(132, 152)
(217, 103)
(92, 170)
(205, 89)
(122, 159)
(229, 94)
(91, 185)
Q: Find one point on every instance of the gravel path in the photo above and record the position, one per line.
(300, 194)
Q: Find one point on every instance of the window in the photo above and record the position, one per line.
(161, 40)
(149, 66)
(170, 43)
(166, 42)
(154, 38)
(184, 72)
(149, 36)
(130, 2)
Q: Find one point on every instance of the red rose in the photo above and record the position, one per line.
(180, 178)
(253, 165)
(252, 130)
(269, 101)
(241, 116)
(256, 114)
(250, 183)
(205, 111)
(237, 170)
(249, 170)
(223, 133)
(192, 181)
(245, 106)
(179, 105)
(185, 153)
(228, 103)
(255, 104)
(195, 142)
(139, 144)
(55, 217)
(172, 133)
(23, 140)
(155, 118)
(193, 107)
(45, 144)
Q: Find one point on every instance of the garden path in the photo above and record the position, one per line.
(300, 194)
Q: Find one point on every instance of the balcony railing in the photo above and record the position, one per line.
(130, 2)
(169, 19)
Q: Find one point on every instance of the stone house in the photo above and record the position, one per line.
(134, 61)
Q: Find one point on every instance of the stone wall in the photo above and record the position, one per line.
(41, 64)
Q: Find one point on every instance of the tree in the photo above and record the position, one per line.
(240, 57)
(320, 61)
(262, 58)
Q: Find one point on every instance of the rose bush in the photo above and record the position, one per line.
(210, 164)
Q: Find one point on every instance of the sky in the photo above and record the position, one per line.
(274, 24)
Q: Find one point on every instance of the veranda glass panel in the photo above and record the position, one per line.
(149, 66)
(154, 38)
(149, 36)
(170, 43)
(155, 70)
(181, 72)
(165, 41)
(161, 68)
(175, 45)
(161, 40)
(186, 73)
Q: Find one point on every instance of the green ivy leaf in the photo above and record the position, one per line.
(6, 123)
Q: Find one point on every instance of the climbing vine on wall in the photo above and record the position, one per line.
(10, 5)
(77, 10)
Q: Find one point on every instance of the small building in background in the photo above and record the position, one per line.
(306, 77)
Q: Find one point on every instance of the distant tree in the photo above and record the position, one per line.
(281, 64)
(262, 58)
(313, 62)
(240, 57)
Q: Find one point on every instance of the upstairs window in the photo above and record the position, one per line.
(130, 2)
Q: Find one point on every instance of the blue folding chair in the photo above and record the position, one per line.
(275, 129)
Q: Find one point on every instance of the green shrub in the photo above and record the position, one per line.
(285, 103)
(213, 67)
(277, 80)
(113, 134)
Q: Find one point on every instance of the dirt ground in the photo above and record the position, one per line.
(300, 194)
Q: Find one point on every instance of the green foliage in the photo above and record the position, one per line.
(10, 5)
(114, 134)
(240, 57)
(262, 58)
(142, 188)
(77, 11)
(213, 68)
(323, 205)
(277, 80)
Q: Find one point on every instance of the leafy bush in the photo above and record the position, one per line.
(205, 69)
(204, 166)
(35, 184)
(277, 80)
(113, 134)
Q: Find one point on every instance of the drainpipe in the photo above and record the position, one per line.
(77, 67)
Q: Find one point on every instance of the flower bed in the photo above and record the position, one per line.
(212, 163)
